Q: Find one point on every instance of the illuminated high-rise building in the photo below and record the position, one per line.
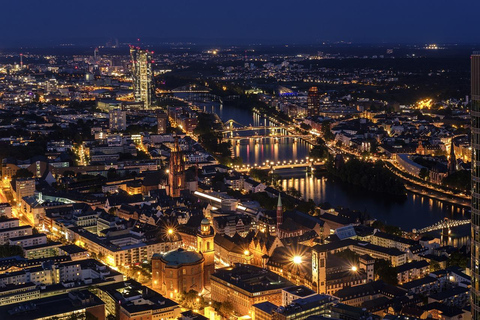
(142, 74)
(475, 116)
(313, 102)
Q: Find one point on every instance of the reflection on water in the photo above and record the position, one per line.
(413, 212)
(271, 149)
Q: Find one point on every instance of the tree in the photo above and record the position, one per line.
(259, 174)
(326, 132)
(224, 308)
(457, 259)
(305, 126)
(10, 251)
(112, 173)
(22, 173)
(320, 151)
(69, 173)
(191, 300)
(294, 192)
(387, 228)
(423, 174)
(458, 180)
(385, 271)
(434, 266)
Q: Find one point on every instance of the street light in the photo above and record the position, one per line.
(297, 259)
(354, 269)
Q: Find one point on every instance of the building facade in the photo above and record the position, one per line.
(118, 120)
(178, 271)
(313, 102)
(142, 75)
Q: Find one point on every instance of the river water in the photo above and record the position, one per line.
(413, 212)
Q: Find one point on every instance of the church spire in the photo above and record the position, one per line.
(279, 213)
(452, 162)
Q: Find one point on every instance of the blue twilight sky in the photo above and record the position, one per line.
(227, 21)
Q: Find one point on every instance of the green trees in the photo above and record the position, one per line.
(372, 177)
(319, 151)
(458, 180)
(22, 173)
(326, 132)
(191, 300)
(211, 140)
(259, 174)
(424, 174)
(457, 259)
(294, 192)
(387, 228)
(224, 308)
(434, 266)
(385, 271)
(9, 251)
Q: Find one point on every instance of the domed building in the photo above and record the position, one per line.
(178, 271)
(181, 270)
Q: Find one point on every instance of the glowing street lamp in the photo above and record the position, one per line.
(354, 269)
(297, 259)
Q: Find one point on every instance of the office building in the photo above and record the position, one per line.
(245, 285)
(142, 75)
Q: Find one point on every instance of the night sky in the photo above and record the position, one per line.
(248, 21)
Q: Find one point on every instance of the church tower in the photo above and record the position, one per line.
(452, 162)
(176, 174)
(319, 270)
(205, 245)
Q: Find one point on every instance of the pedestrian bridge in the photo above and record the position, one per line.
(443, 224)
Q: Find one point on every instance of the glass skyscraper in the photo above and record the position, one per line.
(142, 74)
(475, 116)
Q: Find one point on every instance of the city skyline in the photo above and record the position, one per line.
(257, 160)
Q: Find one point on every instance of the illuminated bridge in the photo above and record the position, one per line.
(258, 138)
(280, 165)
(443, 224)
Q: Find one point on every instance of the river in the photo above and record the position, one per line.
(413, 212)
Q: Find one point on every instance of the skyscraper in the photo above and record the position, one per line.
(313, 102)
(475, 248)
(142, 74)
